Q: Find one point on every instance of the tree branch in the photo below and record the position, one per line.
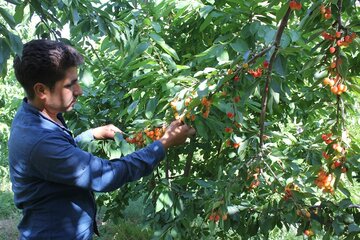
(189, 158)
(279, 33)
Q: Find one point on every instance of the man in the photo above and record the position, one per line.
(52, 179)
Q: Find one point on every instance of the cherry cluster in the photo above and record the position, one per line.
(289, 188)
(336, 153)
(325, 11)
(216, 215)
(139, 140)
(294, 5)
(325, 181)
(207, 104)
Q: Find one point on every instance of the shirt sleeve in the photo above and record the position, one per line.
(86, 136)
(55, 159)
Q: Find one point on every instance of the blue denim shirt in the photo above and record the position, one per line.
(53, 180)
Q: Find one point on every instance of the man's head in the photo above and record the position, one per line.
(46, 62)
(47, 70)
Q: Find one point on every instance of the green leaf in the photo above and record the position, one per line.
(67, 2)
(126, 148)
(281, 13)
(204, 184)
(345, 203)
(19, 13)
(254, 27)
(118, 138)
(7, 17)
(240, 46)
(168, 60)
(294, 35)
(16, 2)
(344, 190)
(4, 54)
(222, 56)
(75, 16)
(200, 128)
(320, 74)
(156, 26)
(354, 228)
(164, 201)
(132, 107)
(141, 48)
(280, 65)
(204, 11)
(159, 40)
(338, 227)
(102, 25)
(87, 78)
(206, 23)
(270, 36)
(150, 107)
(285, 41)
(344, 66)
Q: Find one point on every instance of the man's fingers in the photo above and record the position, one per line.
(176, 123)
(191, 132)
(115, 129)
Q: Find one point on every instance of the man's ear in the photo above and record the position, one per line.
(40, 90)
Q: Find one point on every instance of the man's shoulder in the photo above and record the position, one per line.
(28, 130)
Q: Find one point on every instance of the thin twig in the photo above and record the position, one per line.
(101, 62)
(48, 27)
(253, 59)
(340, 26)
(240, 68)
(272, 172)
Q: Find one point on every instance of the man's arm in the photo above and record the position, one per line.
(99, 133)
(86, 136)
(55, 159)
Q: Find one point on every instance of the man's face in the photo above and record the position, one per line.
(63, 97)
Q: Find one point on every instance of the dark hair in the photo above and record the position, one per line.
(44, 61)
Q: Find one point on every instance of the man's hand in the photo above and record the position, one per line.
(105, 132)
(176, 134)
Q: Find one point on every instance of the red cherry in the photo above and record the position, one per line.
(237, 99)
(293, 5)
(324, 137)
(337, 164)
(228, 130)
(230, 114)
(266, 64)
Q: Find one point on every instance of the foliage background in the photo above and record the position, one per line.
(141, 55)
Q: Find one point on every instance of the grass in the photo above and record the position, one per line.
(8, 228)
(123, 230)
(9, 216)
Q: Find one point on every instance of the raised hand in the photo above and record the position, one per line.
(105, 132)
(176, 134)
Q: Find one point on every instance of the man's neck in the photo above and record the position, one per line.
(45, 111)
